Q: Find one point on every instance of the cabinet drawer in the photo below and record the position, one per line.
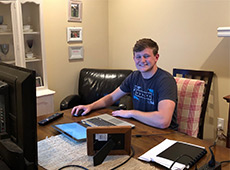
(45, 105)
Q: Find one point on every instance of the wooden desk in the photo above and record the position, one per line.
(227, 98)
(144, 143)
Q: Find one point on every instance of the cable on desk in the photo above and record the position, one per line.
(139, 135)
(225, 162)
(78, 166)
(132, 154)
(181, 157)
(212, 162)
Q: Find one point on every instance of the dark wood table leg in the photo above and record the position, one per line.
(227, 98)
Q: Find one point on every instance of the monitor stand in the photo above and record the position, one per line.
(99, 157)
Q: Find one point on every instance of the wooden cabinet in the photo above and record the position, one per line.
(21, 31)
(227, 98)
(45, 102)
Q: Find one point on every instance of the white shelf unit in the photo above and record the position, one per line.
(16, 14)
(223, 32)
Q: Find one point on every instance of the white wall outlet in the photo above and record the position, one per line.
(220, 123)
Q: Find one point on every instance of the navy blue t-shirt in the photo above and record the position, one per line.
(147, 93)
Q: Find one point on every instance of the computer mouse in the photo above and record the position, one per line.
(79, 113)
(122, 106)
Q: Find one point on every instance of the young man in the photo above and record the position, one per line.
(154, 91)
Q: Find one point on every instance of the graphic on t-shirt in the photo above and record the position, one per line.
(139, 94)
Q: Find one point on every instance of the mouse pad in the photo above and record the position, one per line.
(73, 130)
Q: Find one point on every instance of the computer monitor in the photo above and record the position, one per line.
(18, 126)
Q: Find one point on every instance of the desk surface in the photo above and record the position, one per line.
(150, 137)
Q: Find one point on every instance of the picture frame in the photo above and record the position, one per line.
(122, 133)
(39, 81)
(74, 34)
(75, 52)
(75, 11)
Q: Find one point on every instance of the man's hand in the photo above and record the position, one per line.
(160, 119)
(123, 113)
(76, 109)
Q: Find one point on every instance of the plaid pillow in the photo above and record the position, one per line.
(190, 96)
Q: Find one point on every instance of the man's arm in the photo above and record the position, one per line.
(160, 119)
(105, 101)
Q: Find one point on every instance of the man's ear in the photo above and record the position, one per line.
(157, 56)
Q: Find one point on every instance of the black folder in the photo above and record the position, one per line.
(178, 149)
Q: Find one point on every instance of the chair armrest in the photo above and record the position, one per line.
(70, 101)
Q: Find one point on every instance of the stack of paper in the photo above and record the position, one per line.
(151, 155)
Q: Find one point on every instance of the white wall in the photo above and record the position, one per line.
(186, 31)
(62, 73)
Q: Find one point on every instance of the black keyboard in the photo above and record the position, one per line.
(100, 122)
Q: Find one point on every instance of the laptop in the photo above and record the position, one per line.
(105, 120)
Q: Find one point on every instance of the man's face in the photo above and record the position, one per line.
(145, 60)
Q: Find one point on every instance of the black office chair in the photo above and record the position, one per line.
(94, 84)
(200, 75)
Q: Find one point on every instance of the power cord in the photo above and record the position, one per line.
(213, 164)
(132, 154)
(225, 162)
(157, 134)
(179, 157)
(78, 166)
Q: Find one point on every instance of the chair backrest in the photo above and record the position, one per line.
(96, 83)
(190, 94)
(198, 75)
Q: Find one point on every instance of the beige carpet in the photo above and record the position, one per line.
(58, 151)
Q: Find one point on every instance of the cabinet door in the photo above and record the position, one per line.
(33, 39)
(8, 24)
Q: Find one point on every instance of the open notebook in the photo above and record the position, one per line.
(168, 151)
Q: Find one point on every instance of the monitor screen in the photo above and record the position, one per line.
(18, 133)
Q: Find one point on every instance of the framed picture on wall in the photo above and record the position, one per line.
(75, 11)
(74, 34)
(75, 52)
